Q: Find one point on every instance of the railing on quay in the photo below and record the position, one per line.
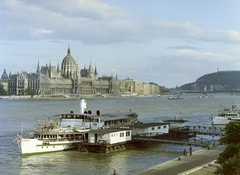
(205, 130)
(194, 141)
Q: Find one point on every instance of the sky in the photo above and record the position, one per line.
(168, 42)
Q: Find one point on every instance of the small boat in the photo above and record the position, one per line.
(178, 97)
(205, 94)
(66, 131)
(226, 115)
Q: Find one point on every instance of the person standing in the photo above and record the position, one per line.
(190, 150)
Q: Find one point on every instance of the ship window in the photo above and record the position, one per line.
(152, 128)
(128, 133)
(122, 134)
(159, 127)
(164, 126)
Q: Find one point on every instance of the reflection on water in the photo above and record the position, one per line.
(124, 162)
(14, 113)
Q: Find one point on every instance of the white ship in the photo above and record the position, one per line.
(226, 115)
(66, 131)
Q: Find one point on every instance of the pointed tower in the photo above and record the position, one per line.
(90, 70)
(50, 70)
(38, 68)
(96, 73)
(58, 69)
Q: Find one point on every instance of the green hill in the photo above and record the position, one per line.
(218, 81)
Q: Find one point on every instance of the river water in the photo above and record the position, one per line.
(17, 115)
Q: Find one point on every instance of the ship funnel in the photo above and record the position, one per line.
(83, 106)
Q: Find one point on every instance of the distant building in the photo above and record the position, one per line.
(50, 80)
(4, 80)
(68, 78)
(150, 129)
(139, 88)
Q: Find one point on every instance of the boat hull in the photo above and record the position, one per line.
(221, 120)
(35, 146)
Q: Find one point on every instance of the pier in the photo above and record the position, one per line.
(194, 141)
(185, 136)
(202, 130)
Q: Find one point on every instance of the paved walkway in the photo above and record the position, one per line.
(200, 162)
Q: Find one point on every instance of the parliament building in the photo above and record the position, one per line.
(69, 79)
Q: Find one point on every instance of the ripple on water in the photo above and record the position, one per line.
(16, 112)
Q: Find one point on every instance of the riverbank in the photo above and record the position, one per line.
(200, 162)
(63, 96)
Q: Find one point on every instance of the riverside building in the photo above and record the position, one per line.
(67, 78)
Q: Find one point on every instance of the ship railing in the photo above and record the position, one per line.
(61, 139)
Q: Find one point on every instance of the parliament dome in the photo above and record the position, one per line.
(68, 59)
(69, 66)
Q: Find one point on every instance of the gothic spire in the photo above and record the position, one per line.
(95, 70)
(38, 67)
(58, 69)
(69, 51)
(90, 65)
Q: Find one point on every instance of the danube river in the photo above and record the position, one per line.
(17, 113)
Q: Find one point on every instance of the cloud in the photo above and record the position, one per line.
(183, 47)
(93, 22)
(40, 31)
(184, 66)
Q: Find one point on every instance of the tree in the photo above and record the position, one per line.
(28, 91)
(2, 91)
(229, 159)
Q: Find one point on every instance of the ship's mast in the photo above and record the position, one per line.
(233, 106)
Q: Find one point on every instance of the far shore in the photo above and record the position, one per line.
(67, 97)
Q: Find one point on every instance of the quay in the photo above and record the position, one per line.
(200, 162)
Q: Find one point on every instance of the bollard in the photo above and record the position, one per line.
(114, 172)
